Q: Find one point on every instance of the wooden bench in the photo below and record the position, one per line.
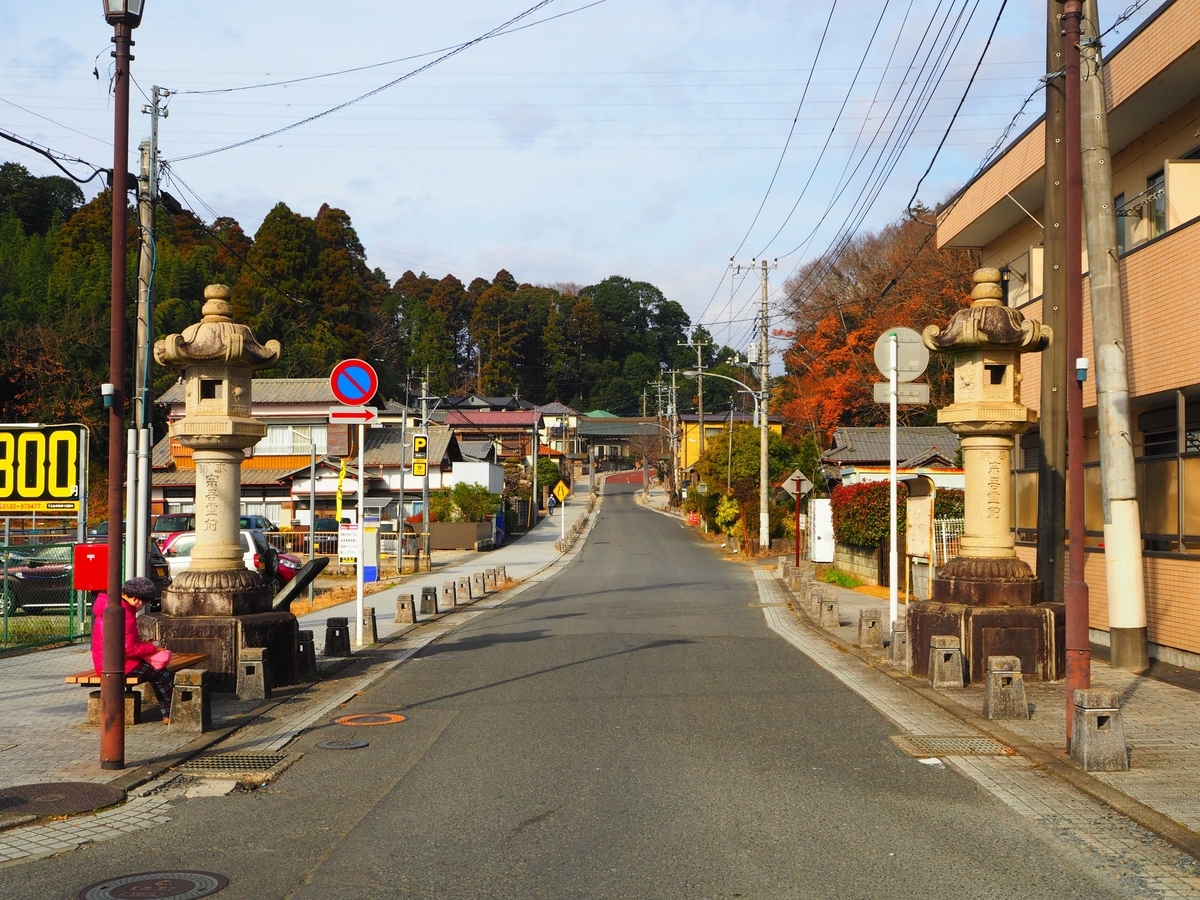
(178, 661)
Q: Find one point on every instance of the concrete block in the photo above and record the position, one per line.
(370, 629)
(489, 580)
(829, 616)
(1004, 689)
(337, 636)
(306, 656)
(191, 710)
(448, 599)
(783, 566)
(133, 708)
(405, 609)
(478, 588)
(502, 574)
(1098, 733)
(463, 592)
(816, 597)
(870, 629)
(898, 649)
(252, 680)
(429, 600)
(945, 661)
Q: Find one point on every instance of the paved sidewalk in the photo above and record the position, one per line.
(1162, 726)
(43, 737)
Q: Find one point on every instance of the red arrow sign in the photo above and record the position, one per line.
(364, 415)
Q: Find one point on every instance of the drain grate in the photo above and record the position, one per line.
(951, 745)
(58, 798)
(234, 762)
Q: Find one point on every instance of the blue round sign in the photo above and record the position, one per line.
(354, 382)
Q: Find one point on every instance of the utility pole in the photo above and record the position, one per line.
(673, 410)
(1122, 521)
(764, 471)
(1079, 652)
(425, 480)
(1052, 418)
(699, 345)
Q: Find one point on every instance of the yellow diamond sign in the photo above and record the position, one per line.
(561, 491)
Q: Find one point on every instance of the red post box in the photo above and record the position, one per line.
(91, 567)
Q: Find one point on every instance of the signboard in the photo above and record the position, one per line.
(917, 394)
(420, 454)
(702, 488)
(41, 469)
(420, 468)
(353, 382)
(912, 356)
(348, 541)
(796, 483)
(561, 491)
(361, 415)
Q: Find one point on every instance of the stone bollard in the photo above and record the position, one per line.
(478, 589)
(1004, 689)
(191, 709)
(783, 566)
(337, 636)
(447, 599)
(501, 574)
(793, 580)
(133, 708)
(252, 681)
(489, 580)
(429, 600)
(816, 598)
(870, 629)
(829, 617)
(1098, 734)
(370, 629)
(898, 649)
(945, 661)
(405, 609)
(306, 656)
(463, 593)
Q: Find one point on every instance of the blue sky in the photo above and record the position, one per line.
(633, 138)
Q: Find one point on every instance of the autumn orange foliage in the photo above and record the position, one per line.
(837, 307)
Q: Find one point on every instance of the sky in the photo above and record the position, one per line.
(619, 137)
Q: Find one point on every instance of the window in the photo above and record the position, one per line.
(210, 389)
(291, 440)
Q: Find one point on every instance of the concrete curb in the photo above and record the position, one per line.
(1174, 833)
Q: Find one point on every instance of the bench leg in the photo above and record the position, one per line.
(133, 708)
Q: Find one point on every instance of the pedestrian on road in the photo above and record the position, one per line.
(142, 658)
(551, 503)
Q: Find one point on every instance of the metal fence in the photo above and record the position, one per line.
(38, 604)
(947, 534)
(297, 542)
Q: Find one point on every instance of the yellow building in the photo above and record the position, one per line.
(1153, 86)
(716, 427)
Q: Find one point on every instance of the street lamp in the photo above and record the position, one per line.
(760, 413)
(124, 16)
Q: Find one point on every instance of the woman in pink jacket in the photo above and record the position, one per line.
(142, 658)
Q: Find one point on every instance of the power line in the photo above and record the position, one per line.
(55, 156)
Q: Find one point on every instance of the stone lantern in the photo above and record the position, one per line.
(217, 605)
(987, 596)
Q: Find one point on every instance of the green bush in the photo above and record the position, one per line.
(948, 503)
(473, 502)
(840, 578)
(860, 512)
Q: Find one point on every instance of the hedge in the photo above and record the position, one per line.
(860, 512)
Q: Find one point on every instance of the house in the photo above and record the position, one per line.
(513, 432)
(864, 454)
(607, 437)
(716, 427)
(560, 429)
(1152, 81)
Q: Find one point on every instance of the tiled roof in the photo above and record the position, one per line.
(481, 421)
(477, 449)
(384, 448)
(186, 477)
(601, 414)
(557, 409)
(616, 428)
(870, 445)
(160, 457)
(713, 419)
(272, 390)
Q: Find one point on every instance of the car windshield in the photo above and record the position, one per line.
(183, 545)
(167, 524)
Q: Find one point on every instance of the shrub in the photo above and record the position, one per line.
(860, 512)
(948, 503)
(840, 578)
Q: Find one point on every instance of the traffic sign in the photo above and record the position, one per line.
(353, 382)
(912, 356)
(561, 491)
(905, 393)
(702, 488)
(420, 468)
(420, 446)
(796, 483)
(358, 415)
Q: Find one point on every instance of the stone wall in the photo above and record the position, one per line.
(861, 562)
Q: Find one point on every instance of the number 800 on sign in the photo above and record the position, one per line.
(40, 468)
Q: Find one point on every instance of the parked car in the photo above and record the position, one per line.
(259, 523)
(258, 555)
(171, 524)
(34, 585)
(289, 565)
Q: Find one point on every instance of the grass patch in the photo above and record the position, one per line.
(838, 577)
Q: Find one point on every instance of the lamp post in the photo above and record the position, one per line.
(764, 529)
(124, 16)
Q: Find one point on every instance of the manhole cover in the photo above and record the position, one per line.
(951, 745)
(342, 745)
(439, 657)
(233, 762)
(58, 798)
(365, 719)
(156, 886)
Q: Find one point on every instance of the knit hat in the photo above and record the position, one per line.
(141, 588)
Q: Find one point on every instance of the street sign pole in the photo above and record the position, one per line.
(562, 510)
(362, 505)
(893, 605)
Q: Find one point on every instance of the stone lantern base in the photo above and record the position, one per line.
(1035, 634)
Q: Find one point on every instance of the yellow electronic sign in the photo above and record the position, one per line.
(41, 469)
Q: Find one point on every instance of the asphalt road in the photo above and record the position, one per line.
(628, 729)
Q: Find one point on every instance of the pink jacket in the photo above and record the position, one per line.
(136, 650)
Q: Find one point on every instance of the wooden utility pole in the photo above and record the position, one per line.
(1052, 418)
(1122, 522)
